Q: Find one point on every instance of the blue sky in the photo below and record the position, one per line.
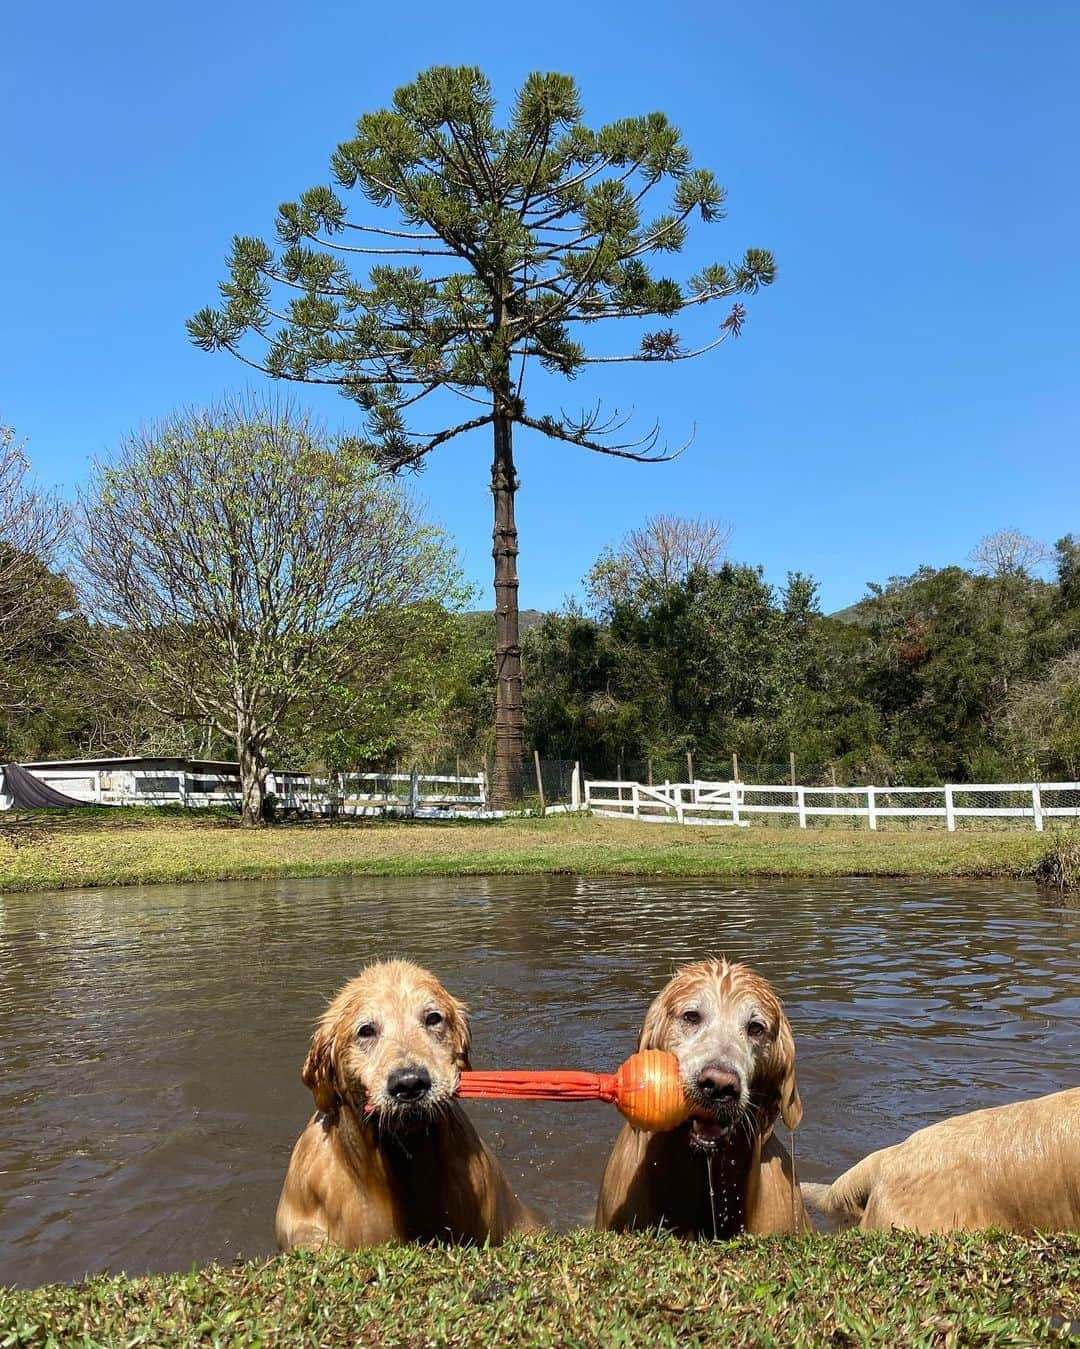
(907, 385)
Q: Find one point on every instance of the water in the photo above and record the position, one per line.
(151, 1039)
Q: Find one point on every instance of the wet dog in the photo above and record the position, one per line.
(390, 1154)
(723, 1172)
(1014, 1167)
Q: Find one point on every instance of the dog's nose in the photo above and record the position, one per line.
(408, 1084)
(717, 1084)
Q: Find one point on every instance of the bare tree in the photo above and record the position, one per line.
(661, 552)
(249, 566)
(1008, 552)
(32, 524)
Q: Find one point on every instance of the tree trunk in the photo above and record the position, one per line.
(252, 782)
(508, 783)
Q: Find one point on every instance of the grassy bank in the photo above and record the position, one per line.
(584, 1290)
(133, 847)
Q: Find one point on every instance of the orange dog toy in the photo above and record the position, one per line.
(647, 1089)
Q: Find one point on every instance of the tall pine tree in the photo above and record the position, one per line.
(504, 245)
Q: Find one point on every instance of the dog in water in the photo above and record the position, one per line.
(1014, 1167)
(390, 1155)
(723, 1172)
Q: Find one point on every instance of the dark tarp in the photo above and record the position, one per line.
(31, 793)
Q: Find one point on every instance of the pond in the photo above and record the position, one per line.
(151, 1039)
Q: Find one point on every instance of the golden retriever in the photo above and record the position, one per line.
(390, 1155)
(1014, 1167)
(723, 1172)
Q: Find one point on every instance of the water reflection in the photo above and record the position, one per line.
(152, 1039)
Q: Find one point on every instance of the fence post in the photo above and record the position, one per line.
(414, 792)
(950, 810)
(97, 787)
(735, 767)
(539, 778)
(575, 786)
(588, 791)
(736, 791)
(791, 760)
(650, 772)
(689, 766)
(871, 813)
(636, 799)
(1036, 806)
(800, 797)
(679, 808)
(482, 775)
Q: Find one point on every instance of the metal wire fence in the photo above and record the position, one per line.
(685, 766)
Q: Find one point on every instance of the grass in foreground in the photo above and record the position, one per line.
(135, 847)
(586, 1289)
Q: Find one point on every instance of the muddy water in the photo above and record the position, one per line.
(151, 1040)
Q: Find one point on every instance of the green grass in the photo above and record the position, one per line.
(585, 1289)
(133, 847)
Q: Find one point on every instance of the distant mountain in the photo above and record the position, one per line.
(857, 613)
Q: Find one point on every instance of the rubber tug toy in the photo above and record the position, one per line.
(646, 1090)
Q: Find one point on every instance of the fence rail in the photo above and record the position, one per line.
(412, 794)
(420, 795)
(735, 803)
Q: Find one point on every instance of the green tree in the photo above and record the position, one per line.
(1042, 720)
(949, 646)
(249, 567)
(34, 600)
(507, 245)
(712, 662)
(411, 713)
(580, 701)
(41, 686)
(832, 720)
(717, 659)
(1067, 567)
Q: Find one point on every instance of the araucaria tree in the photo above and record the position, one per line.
(248, 566)
(507, 245)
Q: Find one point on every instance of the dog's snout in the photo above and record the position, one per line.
(718, 1084)
(408, 1084)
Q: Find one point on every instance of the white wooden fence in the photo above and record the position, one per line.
(737, 803)
(413, 794)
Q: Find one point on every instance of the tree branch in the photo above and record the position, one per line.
(405, 460)
(548, 426)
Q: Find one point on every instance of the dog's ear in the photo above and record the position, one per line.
(318, 1071)
(461, 1038)
(653, 1025)
(790, 1102)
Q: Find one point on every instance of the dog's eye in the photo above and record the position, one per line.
(433, 1019)
(756, 1029)
(692, 1017)
(366, 1032)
